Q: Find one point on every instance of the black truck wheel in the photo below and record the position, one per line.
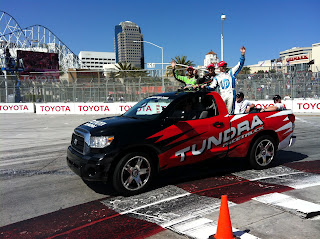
(263, 152)
(133, 174)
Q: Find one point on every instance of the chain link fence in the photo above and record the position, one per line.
(98, 88)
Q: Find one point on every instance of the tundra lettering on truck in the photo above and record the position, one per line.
(225, 137)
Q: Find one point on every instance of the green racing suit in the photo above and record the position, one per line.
(185, 79)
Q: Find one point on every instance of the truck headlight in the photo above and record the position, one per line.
(100, 141)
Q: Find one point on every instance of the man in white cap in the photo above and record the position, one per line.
(226, 81)
(241, 105)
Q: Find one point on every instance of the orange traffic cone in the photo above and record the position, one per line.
(224, 229)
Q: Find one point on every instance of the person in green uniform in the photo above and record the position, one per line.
(190, 79)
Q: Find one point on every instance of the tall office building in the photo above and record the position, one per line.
(125, 48)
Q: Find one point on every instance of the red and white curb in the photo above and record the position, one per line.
(294, 205)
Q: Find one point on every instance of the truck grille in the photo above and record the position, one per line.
(77, 143)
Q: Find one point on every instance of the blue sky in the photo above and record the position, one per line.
(190, 28)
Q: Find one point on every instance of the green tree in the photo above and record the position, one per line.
(272, 71)
(124, 69)
(127, 70)
(139, 72)
(245, 70)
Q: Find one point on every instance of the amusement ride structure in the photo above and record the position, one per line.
(35, 38)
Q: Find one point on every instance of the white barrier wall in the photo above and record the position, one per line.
(298, 106)
(306, 106)
(83, 108)
(54, 108)
(16, 108)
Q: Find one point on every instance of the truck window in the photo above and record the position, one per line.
(210, 105)
(195, 107)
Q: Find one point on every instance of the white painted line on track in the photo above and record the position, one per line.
(275, 176)
(191, 222)
(301, 207)
(157, 202)
(202, 228)
(282, 176)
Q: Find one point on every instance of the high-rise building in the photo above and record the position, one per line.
(125, 48)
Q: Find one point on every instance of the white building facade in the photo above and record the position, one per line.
(211, 57)
(296, 58)
(292, 60)
(96, 60)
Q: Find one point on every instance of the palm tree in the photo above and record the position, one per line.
(127, 70)
(123, 68)
(139, 72)
(182, 61)
(245, 70)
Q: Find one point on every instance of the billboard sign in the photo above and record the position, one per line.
(39, 66)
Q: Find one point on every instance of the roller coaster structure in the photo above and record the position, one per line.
(34, 38)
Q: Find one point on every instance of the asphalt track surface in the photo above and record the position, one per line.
(40, 197)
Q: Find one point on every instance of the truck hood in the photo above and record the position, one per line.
(110, 124)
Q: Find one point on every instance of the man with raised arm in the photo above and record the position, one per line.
(226, 81)
(190, 79)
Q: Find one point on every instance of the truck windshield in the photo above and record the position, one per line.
(148, 108)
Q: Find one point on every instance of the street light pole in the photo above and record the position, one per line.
(223, 17)
(162, 80)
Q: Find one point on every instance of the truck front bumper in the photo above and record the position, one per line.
(89, 167)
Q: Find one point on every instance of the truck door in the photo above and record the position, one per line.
(198, 133)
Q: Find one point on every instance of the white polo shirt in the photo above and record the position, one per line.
(241, 107)
(280, 106)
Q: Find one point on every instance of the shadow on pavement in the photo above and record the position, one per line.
(198, 171)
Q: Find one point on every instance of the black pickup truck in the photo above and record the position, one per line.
(171, 130)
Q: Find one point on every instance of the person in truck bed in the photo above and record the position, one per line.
(207, 78)
(190, 79)
(277, 104)
(226, 81)
(242, 106)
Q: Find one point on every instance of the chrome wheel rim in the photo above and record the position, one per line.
(135, 173)
(264, 152)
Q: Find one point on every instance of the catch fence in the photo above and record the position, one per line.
(98, 88)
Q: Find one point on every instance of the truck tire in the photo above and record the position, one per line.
(263, 152)
(133, 174)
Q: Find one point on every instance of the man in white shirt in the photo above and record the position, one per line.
(277, 104)
(242, 106)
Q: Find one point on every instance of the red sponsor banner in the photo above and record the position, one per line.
(297, 58)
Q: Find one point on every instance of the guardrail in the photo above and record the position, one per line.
(297, 106)
(98, 88)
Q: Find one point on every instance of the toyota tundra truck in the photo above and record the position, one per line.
(171, 130)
